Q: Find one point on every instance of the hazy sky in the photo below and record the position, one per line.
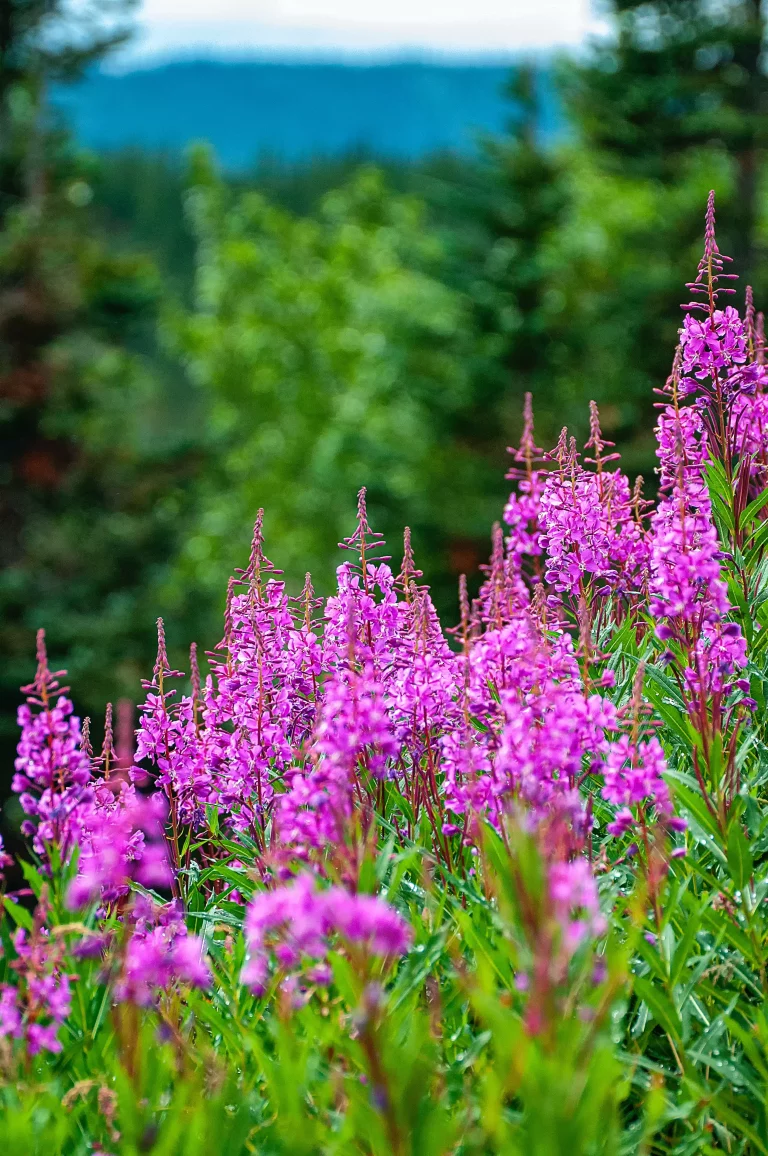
(171, 26)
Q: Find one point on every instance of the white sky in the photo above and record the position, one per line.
(169, 27)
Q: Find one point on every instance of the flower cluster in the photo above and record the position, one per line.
(294, 924)
(713, 351)
(590, 533)
(37, 1006)
(53, 772)
(122, 843)
(634, 773)
(575, 902)
(159, 952)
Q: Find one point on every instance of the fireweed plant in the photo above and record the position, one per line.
(373, 887)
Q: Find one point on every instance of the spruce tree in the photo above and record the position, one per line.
(496, 212)
(679, 76)
(88, 491)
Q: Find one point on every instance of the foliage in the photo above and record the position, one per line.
(498, 218)
(332, 358)
(681, 77)
(92, 453)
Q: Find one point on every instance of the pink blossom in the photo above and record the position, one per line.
(159, 952)
(53, 772)
(10, 1014)
(37, 1008)
(353, 739)
(573, 891)
(589, 532)
(634, 773)
(295, 922)
(121, 844)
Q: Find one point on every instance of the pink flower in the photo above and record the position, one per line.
(121, 844)
(295, 923)
(53, 772)
(634, 773)
(38, 1007)
(10, 1015)
(159, 952)
(353, 737)
(589, 532)
(573, 893)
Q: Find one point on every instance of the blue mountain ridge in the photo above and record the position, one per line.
(294, 110)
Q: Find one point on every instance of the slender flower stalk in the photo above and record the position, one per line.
(53, 766)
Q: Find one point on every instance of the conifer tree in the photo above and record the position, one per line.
(495, 212)
(676, 77)
(81, 490)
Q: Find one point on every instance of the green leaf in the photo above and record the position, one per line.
(684, 950)
(758, 540)
(18, 914)
(33, 877)
(753, 509)
(661, 1008)
(740, 862)
(694, 804)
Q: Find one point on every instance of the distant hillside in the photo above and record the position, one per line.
(296, 110)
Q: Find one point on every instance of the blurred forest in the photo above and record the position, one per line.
(180, 346)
